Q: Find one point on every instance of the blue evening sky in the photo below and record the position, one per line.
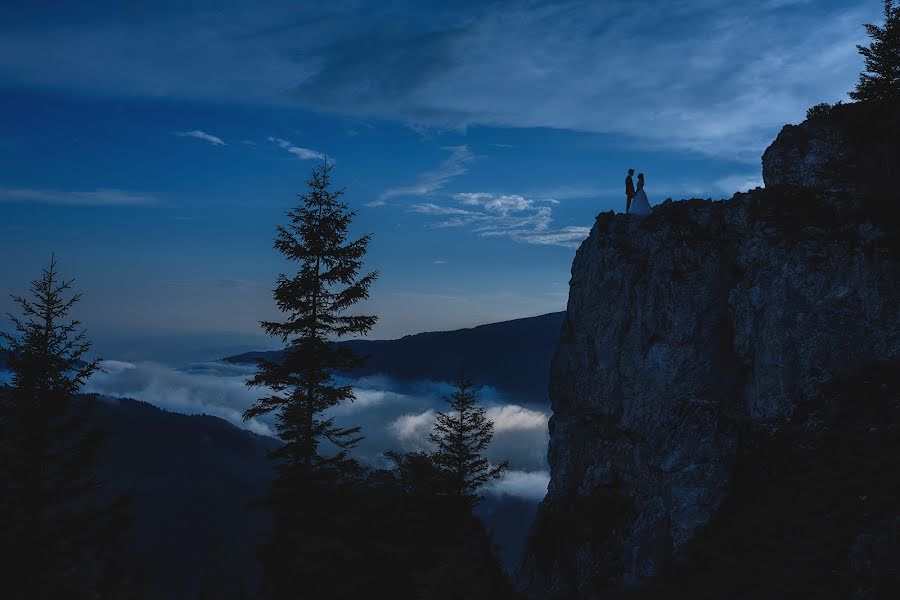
(154, 146)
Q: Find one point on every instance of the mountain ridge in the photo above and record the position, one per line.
(527, 345)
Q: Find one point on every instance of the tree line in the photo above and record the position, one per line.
(339, 529)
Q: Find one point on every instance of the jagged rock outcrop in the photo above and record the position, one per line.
(853, 150)
(691, 335)
(809, 155)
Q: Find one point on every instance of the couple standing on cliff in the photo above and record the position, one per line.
(636, 202)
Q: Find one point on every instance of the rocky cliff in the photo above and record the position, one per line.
(694, 338)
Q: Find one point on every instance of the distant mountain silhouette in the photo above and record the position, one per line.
(512, 356)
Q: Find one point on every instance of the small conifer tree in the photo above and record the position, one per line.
(461, 436)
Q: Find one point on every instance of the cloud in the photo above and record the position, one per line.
(671, 74)
(435, 179)
(520, 433)
(567, 237)
(430, 208)
(502, 205)
(99, 197)
(504, 215)
(393, 415)
(412, 430)
(512, 418)
(531, 485)
(201, 135)
(301, 153)
(213, 389)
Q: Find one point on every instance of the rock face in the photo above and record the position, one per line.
(690, 334)
(853, 150)
(808, 155)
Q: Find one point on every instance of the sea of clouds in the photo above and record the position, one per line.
(394, 415)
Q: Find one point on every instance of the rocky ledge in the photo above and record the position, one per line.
(694, 338)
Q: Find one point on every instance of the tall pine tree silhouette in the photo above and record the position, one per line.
(59, 538)
(881, 80)
(305, 544)
(461, 436)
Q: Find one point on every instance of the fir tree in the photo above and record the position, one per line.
(461, 436)
(307, 550)
(59, 540)
(315, 300)
(881, 80)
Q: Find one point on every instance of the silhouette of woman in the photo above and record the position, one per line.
(639, 204)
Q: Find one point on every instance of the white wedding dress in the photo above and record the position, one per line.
(639, 204)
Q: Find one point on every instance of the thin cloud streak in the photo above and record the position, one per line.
(435, 179)
(99, 197)
(201, 135)
(301, 153)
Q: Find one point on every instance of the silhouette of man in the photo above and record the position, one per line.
(629, 190)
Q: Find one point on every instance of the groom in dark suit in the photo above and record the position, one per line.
(629, 190)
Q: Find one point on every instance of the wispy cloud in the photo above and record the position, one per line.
(504, 215)
(567, 237)
(521, 484)
(430, 208)
(301, 153)
(100, 197)
(435, 179)
(502, 205)
(201, 135)
(412, 430)
(585, 66)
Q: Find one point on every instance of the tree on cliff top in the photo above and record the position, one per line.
(881, 80)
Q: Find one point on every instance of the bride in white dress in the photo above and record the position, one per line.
(639, 204)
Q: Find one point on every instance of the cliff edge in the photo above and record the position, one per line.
(699, 336)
